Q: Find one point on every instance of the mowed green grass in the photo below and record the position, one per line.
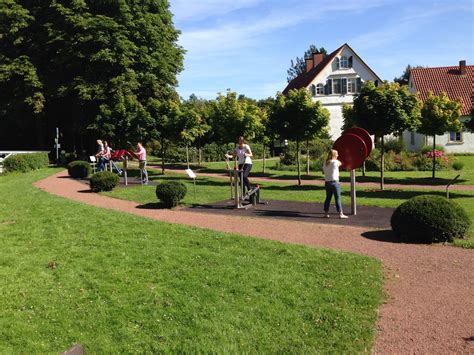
(391, 177)
(119, 283)
(210, 190)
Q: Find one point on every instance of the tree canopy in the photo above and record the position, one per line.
(87, 65)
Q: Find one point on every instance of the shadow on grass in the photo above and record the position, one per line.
(405, 181)
(403, 194)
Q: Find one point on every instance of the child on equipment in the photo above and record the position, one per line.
(331, 178)
(141, 153)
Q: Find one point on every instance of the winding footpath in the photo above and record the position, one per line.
(430, 303)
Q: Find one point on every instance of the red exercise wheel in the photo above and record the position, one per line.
(352, 150)
(362, 133)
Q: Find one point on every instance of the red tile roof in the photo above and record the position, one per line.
(448, 80)
(304, 79)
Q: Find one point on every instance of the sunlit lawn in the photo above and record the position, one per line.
(117, 283)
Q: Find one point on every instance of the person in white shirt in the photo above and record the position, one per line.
(244, 154)
(331, 178)
(141, 153)
(100, 155)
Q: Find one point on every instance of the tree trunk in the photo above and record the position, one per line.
(363, 169)
(263, 170)
(382, 163)
(433, 175)
(199, 156)
(187, 155)
(307, 157)
(298, 162)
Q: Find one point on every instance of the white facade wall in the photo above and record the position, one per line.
(334, 102)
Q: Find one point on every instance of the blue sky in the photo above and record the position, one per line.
(247, 45)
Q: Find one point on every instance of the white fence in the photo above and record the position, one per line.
(6, 153)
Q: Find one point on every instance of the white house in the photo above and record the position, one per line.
(333, 80)
(456, 82)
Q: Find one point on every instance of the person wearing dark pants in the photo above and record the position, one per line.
(331, 178)
(244, 154)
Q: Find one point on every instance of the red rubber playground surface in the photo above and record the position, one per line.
(430, 289)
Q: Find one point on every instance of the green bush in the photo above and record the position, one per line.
(425, 163)
(170, 193)
(394, 145)
(429, 148)
(79, 169)
(26, 162)
(104, 181)
(430, 219)
(458, 165)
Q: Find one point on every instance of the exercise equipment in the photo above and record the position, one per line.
(123, 155)
(353, 146)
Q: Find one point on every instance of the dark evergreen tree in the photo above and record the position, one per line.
(298, 66)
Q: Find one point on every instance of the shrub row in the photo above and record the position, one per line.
(26, 162)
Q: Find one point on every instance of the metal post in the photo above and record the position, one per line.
(353, 193)
(194, 183)
(57, 145)
(242, 182)
(236, 189)
(125, 166)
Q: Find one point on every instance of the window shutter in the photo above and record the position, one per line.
(359, 84)
(344, 86)
(328, 87)
(350, 62)
(337, 62)
(313, 90)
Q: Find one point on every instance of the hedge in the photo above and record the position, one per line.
(170, 193)
(104, 181)
(26, 162)
(79, 169)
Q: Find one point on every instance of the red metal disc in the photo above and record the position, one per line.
(352, 150)
(362, 133)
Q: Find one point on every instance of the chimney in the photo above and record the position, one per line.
(462, 67)
(309, 63)
(317, 58)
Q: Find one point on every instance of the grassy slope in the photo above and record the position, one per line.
(215, 189)
(126, 284)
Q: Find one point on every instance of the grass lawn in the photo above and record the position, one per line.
(73, 273)
(391, 177)
(217, 189)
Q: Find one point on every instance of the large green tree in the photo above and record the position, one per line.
(383, 110)
(298, 66)
(89, 64)
(439, 115)
(297, 117)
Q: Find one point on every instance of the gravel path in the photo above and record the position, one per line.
(430, 305)
(371, 185)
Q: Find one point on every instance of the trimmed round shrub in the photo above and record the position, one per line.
(458, 165)
(170, 193)
(430, 219)
(79, 169)
(104, 181)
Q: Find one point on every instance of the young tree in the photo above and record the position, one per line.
(298, 66)
(382, 110)
(192, 125)
(439, 115)
(297, 117)
(265, 134)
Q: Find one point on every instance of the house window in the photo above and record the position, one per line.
(320, 89)
(351, 86)
(344, 63)
(455, 137)
(336, 86)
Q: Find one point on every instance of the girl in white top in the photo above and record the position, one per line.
(244, 154)
(331, 178)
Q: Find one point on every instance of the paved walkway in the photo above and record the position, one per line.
(430, 289)
(320, 182)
